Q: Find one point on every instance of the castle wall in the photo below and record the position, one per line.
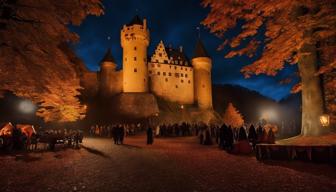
(203, 87)
(134, 41)
(172, 82)
(110, 80)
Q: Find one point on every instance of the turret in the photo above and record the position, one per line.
(202, 64)
(106, 74)
(134, 41)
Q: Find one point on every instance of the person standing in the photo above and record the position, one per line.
(149, 135)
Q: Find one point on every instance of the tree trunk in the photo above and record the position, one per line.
(312, 102)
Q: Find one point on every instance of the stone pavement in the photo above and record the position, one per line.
(171, 164)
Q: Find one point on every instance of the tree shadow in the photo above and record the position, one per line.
(95, 152)
(317, 169)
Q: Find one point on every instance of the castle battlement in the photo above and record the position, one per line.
(168, 74)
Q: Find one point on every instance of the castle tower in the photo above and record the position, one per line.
(134, 41)
(202, 77)
(106, 75)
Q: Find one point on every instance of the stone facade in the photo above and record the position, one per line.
(168, 74)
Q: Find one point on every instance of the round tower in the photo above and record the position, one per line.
(106, 75)
(134, 41)
(202, 77)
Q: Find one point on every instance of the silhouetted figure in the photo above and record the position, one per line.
(115, 134)
(208, 140)
(252, 136)
(264, 137)
(242, 134)
(229, 138)
(221, 136)
(270, 137)
(259, 134)
(121, 135)
(149, 136)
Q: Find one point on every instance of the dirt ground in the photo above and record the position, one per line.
(170, 164)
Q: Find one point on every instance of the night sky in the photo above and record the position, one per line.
(174, 22)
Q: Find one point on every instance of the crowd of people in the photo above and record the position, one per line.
(225, 136)
(16, 137)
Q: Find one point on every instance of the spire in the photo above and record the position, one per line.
(135, 21)
(200, 50)
(108, 57)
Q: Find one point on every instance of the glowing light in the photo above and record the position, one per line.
(182, 106)
(325, 120)
(269, 115)
(27, 106)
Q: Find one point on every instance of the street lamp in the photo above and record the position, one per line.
(182, 106)
(325, 120)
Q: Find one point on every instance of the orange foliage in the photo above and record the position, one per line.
(287, 24)
(32, 62)
(233, 117)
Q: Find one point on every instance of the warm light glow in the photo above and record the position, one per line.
(27, 106)
(324, 120)
(182, 106)
(269, 115)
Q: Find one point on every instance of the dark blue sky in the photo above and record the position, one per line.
(174, 22)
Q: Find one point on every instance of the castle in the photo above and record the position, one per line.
(168, 73)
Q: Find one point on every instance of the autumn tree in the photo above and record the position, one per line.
(232, 117)
(33, 64)
(296, 32)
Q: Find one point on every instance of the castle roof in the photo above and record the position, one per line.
(177, 55)
(108, 57)
(200, 51)
(135, 21)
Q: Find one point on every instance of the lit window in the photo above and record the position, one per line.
(135, 70)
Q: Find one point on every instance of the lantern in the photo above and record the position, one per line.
(325, 120)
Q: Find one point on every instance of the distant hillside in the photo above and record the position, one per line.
(249, 103)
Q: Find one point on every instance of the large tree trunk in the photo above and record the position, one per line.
(312, 102)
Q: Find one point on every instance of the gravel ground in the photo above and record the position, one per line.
(171, 164)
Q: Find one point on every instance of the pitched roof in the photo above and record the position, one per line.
(135, 21)
(200, 50)
(108, 56)
(177, 55)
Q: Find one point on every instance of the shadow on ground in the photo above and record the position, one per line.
(95, 152)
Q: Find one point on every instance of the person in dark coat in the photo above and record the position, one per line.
(252, 136)
(149, 136)
(221, 136)
(259, 134)
(122, 135)
(208, 140)
(229, 138)
(242, 134)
